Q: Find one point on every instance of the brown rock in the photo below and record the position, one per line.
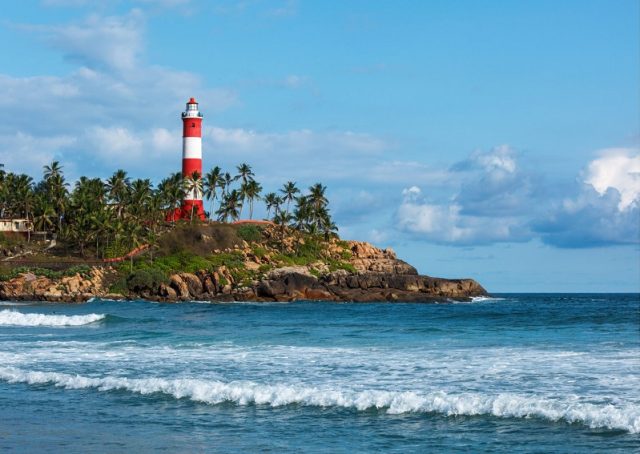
(194, 286)
(318, 295)
(179, 286)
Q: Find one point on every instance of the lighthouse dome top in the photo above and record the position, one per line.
(192, 110)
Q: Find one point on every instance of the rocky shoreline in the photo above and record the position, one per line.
(377, 275)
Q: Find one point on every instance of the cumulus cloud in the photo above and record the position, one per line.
(617, 168)
(605, 209)
(107, 43)
(486, 203)
(446, 223)
(494, 200)
(492, 184)
(24, 153)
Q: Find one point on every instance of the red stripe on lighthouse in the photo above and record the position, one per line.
(191, 127)
(191, 165)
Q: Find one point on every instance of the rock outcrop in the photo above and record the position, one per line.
(76, 288)
(353, 271)
(297, 284)
(370, 259)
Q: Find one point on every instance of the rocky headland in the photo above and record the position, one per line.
(267, 266)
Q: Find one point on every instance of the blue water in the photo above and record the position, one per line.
(518, 373)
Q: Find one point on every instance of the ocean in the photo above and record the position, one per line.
(514, 373)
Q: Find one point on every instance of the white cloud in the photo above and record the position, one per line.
(617, 168)
(24, 153)
(445, 223)
(114, 141)
(605, 209)
(111, 43)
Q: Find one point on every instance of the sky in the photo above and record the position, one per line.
(494, 140)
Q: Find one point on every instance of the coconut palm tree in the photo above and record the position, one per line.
(141, 193)
(244, 172)
(212, 181)
(289, 191)
(251, 191)
(193, 186)
(225, 184)
(118, 187)
(52, 171)
(171, 192)
(272, 202)
(230, 207)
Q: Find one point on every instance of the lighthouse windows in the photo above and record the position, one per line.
(193, 125)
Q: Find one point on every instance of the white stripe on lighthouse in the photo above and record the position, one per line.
(192, 148)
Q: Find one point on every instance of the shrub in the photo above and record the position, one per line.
(149, 279)
(229, 259)
(82, 270)
(250, 233)
(346, 255)
(335, 265)
(119, 286)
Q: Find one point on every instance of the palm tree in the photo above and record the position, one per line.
(251, 191)
(45, 214)
(193, 187)
(244, 172)
(212, 181)
(118, 187)
(230, 206)
(225, 184)
(141, 193)
(289, 191)
(316, 195)
(52, 171)
(171, 192)
(272, 201)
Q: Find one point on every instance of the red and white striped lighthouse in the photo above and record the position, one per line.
(192, 158)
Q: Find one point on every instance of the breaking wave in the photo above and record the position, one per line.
(15, 318)
(247, 393)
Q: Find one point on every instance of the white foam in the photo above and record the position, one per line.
(480, 299)
(244, 393)
(15, 318)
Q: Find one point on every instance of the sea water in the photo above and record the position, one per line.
(515, 373)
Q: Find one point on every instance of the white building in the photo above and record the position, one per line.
(18, 226)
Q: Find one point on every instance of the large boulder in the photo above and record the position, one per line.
(367, 258)
(179, 286)
(194, 286)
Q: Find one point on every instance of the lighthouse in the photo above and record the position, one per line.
(192, 159)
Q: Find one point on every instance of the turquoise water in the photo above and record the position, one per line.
(517, 373)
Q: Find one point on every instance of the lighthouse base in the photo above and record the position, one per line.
(190, 209)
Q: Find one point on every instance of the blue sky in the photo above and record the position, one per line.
(495, 140)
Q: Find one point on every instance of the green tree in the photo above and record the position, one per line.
(289, 191)
(230, 207)
(251, 192)
(212, 181)
(193, 187)
(272, 202)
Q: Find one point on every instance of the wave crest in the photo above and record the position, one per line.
(15, 318)
(393, 402)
